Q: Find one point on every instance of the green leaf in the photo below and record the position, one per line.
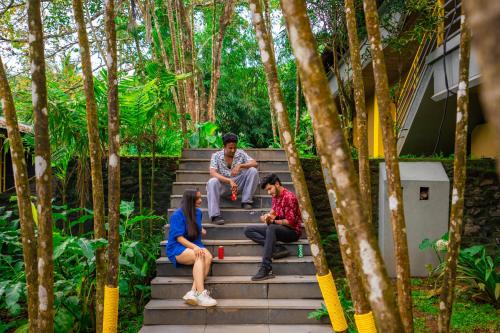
(86, 247)
(12, 297)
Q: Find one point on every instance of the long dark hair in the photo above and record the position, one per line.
(188, 206)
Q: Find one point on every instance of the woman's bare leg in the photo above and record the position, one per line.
(188, 258)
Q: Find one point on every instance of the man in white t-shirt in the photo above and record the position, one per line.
(231, 170)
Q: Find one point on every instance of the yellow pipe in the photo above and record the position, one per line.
(110, 318)
(332, 301)
(365, 323)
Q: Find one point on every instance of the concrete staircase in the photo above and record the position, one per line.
(272, 306)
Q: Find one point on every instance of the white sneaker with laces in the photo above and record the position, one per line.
(204, 299)
(190, 297)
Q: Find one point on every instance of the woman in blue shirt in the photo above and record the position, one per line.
(185, 247)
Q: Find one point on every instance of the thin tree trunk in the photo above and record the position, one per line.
(195, 66)
(297, 103)
(333, 149)
(114, 148)
(178, 70)
(43, 169)
(459, 177)
(361, 118)
(391, 166)
(166, 62)
(203, 98)
(361, 305)
(484, 17)
(94, 33)
(278, 104)
(139, 151)
(185, 30)
(95, 159)
(152, 185)
(268, 26)
(224, 21)
(132, 26)
(20, 172)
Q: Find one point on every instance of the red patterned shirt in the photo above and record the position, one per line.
(286, 206)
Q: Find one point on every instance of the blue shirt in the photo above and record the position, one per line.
(178, 228)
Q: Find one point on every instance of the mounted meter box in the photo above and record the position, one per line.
(426, 193)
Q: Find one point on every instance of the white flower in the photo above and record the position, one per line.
(441, 245)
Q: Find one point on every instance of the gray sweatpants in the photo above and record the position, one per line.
(247, 182)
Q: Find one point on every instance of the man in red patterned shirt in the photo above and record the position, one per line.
(283, 223)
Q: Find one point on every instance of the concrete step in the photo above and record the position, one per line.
(233, 311)
(226, 231)
(259, 201)
(262, 328)
(242, 265)
(204, 164)
(244, 247)
(228, 287)
(233, 215)
(180, 187)
(257, 154)
(204, 176)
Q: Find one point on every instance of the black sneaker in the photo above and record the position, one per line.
(263, 274)
(280, 252)
(217, 220)
(247, 205)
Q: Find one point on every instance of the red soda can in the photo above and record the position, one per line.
(233, 196)
(221, 252)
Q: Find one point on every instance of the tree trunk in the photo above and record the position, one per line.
(132, 29)
(20, 172)
(459, 177)
(185, 30)
(95, 158)
(224, 21)
(203, 98)
(139, 175)
(178, 99)
(114, 148)
(297, 104)
(195, 66)
(43, 169)
(484, 17)
(361, 115)
(178, 70)
(268, 26)
(333, 149)
(391, 166)
(278, 104)
(360, 302)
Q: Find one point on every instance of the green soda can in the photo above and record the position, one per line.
(300, 251)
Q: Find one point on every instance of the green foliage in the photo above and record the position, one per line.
(206, 136)
(476, 271)
(466, 316)
(74, 274)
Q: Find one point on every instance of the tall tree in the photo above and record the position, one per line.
(459, 177)
(20, 172)
(268, 24)
(333, 149)
(224, 21)
(361, 115)
(391, 165)
(95, 158)
(484, 21)
(43, 169)
(278, 104)
(111, 291)
(298, 93)
(187, 49)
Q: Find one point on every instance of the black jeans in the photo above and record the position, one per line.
(267, 236)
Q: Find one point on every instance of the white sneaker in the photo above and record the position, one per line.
(204, 299)
(190, 297)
